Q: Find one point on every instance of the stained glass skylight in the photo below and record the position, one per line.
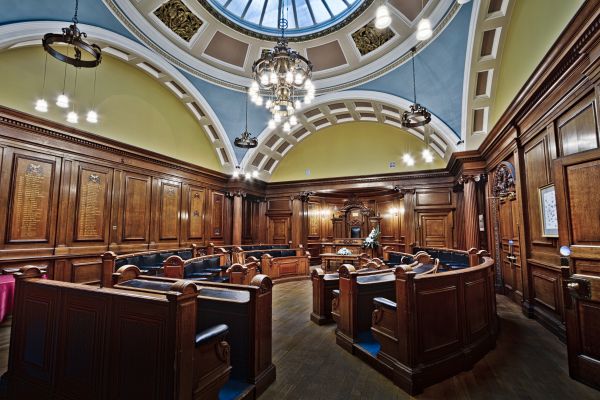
(305, 17)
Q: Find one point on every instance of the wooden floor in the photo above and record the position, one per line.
(528, 362)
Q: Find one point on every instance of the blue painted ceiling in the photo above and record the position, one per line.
(440, 66)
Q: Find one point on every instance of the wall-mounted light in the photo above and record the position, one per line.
(427, 156)
(408, 159)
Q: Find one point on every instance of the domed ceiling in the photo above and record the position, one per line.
(203, 51)
(218, 40)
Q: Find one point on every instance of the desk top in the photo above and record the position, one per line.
(335, 255)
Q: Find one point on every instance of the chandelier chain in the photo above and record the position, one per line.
(75, 20)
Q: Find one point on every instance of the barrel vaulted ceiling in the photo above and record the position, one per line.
(202, 50)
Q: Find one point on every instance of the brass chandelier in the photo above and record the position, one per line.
(283, 77)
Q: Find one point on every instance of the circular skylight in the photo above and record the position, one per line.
(305, 18)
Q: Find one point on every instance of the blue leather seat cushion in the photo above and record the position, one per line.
(185, 254)
(336, 292)
(134, 260)
(151, 259)
(288, 253)
(144, 284)
(382, 301)
(201, 274)
(164, 256)
(120, 263)
(375, 278)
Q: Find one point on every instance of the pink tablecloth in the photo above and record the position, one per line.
(7, 295)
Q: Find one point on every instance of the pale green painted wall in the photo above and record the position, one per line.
(356, 148)
(132, 106)
(534, 26)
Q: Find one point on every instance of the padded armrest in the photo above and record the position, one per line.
(336, 292)
(211, 333)
(382, 301)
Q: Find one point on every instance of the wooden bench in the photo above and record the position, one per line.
(324, 284)
(230, 249)
(149, 261)
(246, 309)
(433, 326)
(74, 341)
(286, 268)
(243, 274)
(205, 268)
(352, 305)
(239, 256)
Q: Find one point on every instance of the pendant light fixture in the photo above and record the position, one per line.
(382, 17)
(418, 115)
(424, 30)
(41, 104)
(245, 141)
(85, 55)
(92, 116)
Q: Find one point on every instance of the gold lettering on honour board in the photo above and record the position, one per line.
(91, 206)
(31, 195)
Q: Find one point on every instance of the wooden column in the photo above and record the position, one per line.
(236, 231)
(408, 217)
(299, 218)
(471, 222)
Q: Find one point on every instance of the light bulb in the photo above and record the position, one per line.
(62, 101)
(408, 160)
(236, 173)
(293, 120)
(307, 100)
(269, 103)
(297, 104)
(427, 156)
(272, 124)
(254, 86)
(273, 78)
(72, 117)
(248, 175)
(382, 17)
(277, 118)
(264, 79)
(289, 77)
(254, 174)
(308, 84)
(424, 31)
(41, 105)
(299, 78)
(259, 101)
(286, 126)
(92, 117)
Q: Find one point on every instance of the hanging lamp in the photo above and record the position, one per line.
(245, 141)
(418, 115)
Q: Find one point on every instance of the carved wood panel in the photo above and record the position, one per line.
(169, 213)
(32, 198)
(136, 207)
(196, 213)
(218, 215)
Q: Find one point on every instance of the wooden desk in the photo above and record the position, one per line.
(326, 259)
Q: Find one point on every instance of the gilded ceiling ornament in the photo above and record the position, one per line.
(177, 17)
(369, 38)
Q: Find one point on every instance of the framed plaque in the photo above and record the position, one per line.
(548, 211)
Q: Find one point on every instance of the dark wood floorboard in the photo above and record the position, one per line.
(528, 362)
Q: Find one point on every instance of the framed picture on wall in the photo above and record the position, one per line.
(548, 211)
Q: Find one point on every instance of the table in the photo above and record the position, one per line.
(7, 295)
(327, 258)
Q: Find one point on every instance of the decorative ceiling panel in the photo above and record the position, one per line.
(178, 18)
(325, 56)
(227, 49)
(369, 38)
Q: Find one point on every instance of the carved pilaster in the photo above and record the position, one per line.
(236, 229)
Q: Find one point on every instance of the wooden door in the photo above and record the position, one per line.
(509, 248)
(435, 229)
(279, 230)
(577, 179)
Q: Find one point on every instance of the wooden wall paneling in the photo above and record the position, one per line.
(262, 226)
(247, 220)
(314, 220)
(90, 196)
(65, 205)
(298, 221)
(196, 210)
(279, 229)
(435, 229)
(30, 187)
(168, 213)
(577, 128)
(135, 211)
(460, 215)
(409, 221)
(217, 207)
(389, 210)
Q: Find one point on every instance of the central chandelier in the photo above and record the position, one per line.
(282, 76)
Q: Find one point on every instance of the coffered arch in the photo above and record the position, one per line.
(339, 108)
(138, 56)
